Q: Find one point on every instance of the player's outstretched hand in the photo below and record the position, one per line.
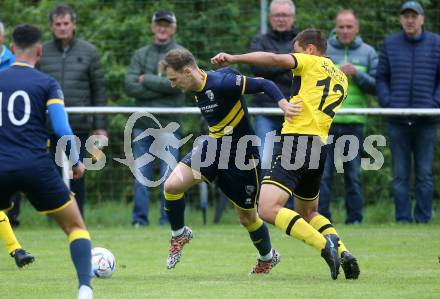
(290, 109)
(78, 171)
(222, 59)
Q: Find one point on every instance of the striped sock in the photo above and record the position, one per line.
(294, 225)
(324, 226)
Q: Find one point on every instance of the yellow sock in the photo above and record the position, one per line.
(7, 234)
(294, 225)
(323, 225)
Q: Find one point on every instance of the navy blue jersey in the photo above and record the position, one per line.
(222, 104)
(25, 94)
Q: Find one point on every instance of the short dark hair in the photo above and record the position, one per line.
(177, 59)
(62, 10)
(25, 36)
(313, 36)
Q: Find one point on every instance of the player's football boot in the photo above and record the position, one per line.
(350, 265)
(330, 254)
(176, 246)
(264, 267)
(22, 257)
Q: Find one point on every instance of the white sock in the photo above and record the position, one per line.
(85, 292)
(267, 256)
(178, 232)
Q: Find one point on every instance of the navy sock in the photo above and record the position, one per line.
(261, 239)
(80, 251)
(176, 213)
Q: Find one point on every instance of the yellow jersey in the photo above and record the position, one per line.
(322, 87)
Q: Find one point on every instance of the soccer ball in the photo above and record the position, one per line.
(103, 263)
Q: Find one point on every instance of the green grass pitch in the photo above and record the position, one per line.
(397, 261)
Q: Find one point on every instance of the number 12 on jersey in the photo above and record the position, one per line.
(330, 108)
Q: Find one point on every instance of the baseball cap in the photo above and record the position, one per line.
(164, 15)
(412, 5)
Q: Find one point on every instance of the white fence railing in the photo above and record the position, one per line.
(252, 110)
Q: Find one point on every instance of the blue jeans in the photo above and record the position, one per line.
(415, 141)
(263, 125)
(142, 193)
(352, 181)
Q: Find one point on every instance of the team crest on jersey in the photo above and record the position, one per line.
(210, 94)
(238, 80)
(250, 189)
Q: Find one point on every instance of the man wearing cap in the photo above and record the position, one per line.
(151, 88)
(408, 77)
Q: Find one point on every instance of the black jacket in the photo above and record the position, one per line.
(279, 43)
(79, 73)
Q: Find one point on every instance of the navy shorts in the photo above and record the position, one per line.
(297, 169)
(241, 186)
(40, 181)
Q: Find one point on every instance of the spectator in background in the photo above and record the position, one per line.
(6, 56)
(74, 63)
(151, 88)
(7, 59)
(277, 40)
(358, 61)
(408, 76)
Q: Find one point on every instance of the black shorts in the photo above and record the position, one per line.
(40, 181)
(241, 186)
(298, 166)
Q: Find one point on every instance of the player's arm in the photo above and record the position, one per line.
(256, 58)
(258, 45)
(60, 125)
(61, 128)
(254, 85)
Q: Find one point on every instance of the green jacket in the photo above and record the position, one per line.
(79, 73)
(155, 90)
(364, 58)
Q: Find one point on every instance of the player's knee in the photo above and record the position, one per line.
(307, 213)
(247, 219)
(69, 218)
(70, 227)
(265, 213)
(244, 221)
(170, 186)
